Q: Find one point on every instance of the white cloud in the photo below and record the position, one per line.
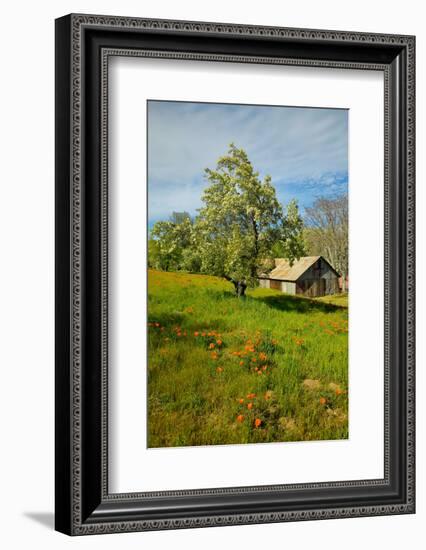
(291, 144)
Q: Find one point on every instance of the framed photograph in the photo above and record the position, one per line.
(234, 274)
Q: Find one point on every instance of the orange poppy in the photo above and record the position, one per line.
(257, 422)
(323, 400)
(211, 346)
(196, 333)
(219, 369)
(251, 395)
(219, 342)
(249, 406)
(241, 401)
(240, 418)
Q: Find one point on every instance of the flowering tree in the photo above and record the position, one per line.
(241, 221)
(169, 242)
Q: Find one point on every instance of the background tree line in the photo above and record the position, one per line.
(242, 227)
(326, 232)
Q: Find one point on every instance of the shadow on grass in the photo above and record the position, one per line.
(285, 302)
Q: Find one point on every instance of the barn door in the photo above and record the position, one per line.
(276, 285)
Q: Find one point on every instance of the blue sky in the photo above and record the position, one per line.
(304, 150)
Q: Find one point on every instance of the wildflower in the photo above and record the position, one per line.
(262, 356)
(338, 391)
(211, 346)
(219, 342)
(241, 363)
(241, 401)
(323, 400)
(157, 324)
(249, 406)
(251, 396)
(219, 369)
(196, 333)
(264, 367)
(257, 422)
(240, 418)
(214, 356)
(259, 372)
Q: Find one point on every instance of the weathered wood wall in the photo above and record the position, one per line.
(318, 280)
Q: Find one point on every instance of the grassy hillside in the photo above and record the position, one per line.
(222, 370)
(335, 299)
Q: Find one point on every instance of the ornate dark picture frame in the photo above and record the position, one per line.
(84, 44)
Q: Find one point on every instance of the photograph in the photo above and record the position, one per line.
(248, 273)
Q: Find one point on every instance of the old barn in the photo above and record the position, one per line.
(310, 276)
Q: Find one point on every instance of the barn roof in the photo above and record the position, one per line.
(284, 272)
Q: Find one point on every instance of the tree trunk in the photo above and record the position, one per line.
(240, 288)
(343, 282)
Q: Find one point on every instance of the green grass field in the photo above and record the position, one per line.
(223, 370)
